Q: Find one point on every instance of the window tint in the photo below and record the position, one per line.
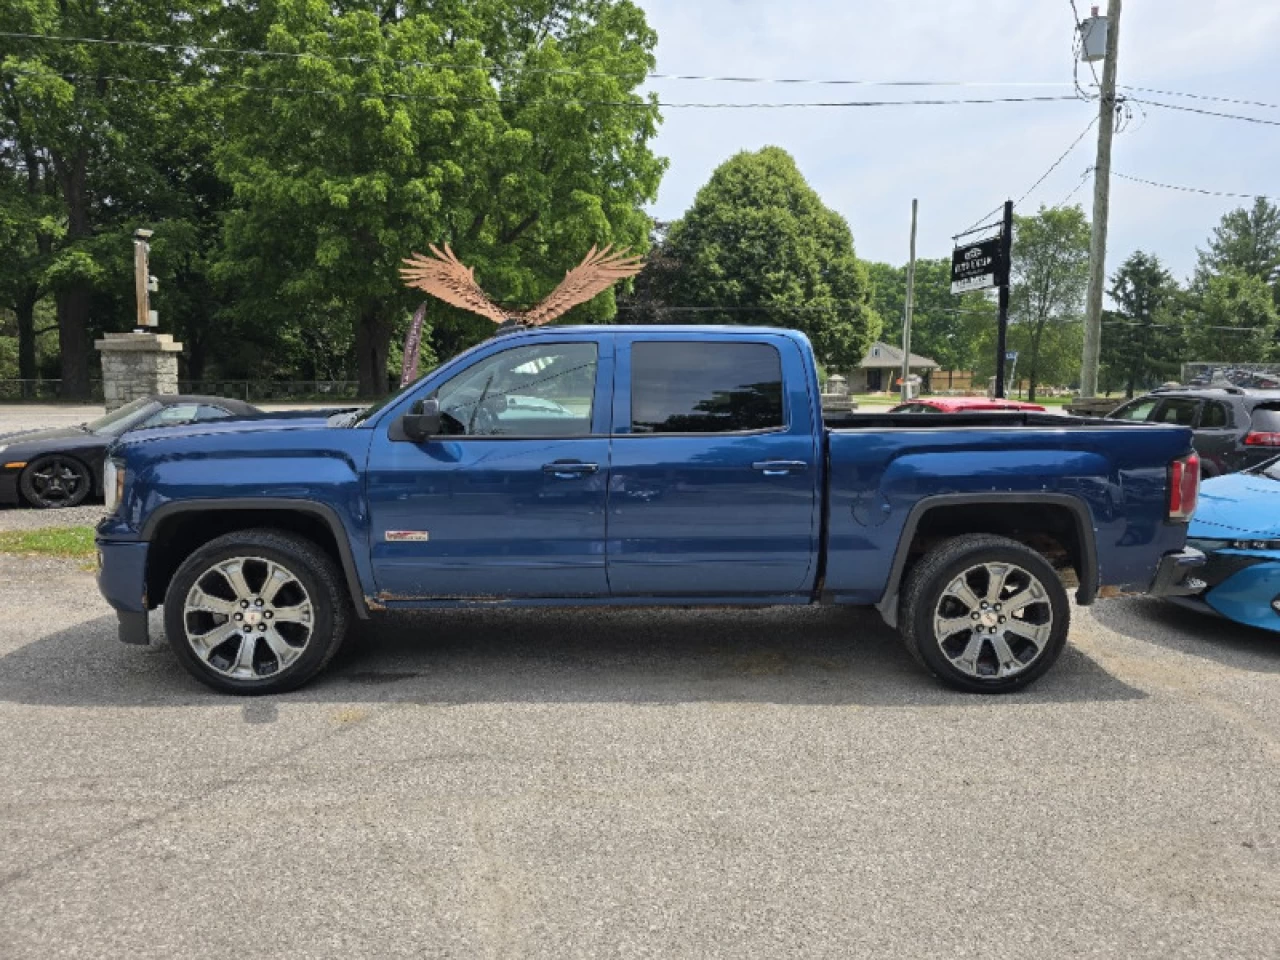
(209, 412)
(545, 390)
(685, 387)
(1138, 410)
(1214, 416)
(167, 416)
(1266, 419)
(1181, 410)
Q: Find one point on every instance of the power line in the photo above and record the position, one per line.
(1054, 166)
(1208, 193)
(1207, 113)
(574, 101)
(436, 65)
(1202, 96)
(1076, 189)
(979, 225)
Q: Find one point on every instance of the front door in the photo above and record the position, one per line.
(509, 500)
(714, 482)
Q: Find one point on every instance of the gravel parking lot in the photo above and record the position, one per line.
(710, 783)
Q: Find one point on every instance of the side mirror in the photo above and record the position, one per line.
(422, 421)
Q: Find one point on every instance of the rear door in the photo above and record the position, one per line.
(715, 469)
(1215, 437)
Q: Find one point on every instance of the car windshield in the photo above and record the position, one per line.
(360, 416)
(122, 418)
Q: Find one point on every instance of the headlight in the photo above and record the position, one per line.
(113, 484)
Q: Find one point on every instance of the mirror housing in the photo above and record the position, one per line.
(422, 422)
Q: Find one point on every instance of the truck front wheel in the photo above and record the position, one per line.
(256, 611)
(984, 613)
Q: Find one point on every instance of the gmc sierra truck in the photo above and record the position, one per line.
(614, 465)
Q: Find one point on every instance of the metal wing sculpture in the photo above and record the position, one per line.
(443, 276)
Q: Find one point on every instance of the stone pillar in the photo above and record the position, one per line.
(137, 365)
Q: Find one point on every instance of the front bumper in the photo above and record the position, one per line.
(1175, 575)
(9, 486)
(122, 580)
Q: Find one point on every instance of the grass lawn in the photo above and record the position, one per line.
(74, 542)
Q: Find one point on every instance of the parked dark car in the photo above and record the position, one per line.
(62, 466)
(1234, 428)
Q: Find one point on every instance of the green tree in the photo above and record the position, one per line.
(1049, 277)
(759, 242)
(1232, 317)
(510, 129)
(82, 119)
(1247, 240)
(944, 326)
(1141, 341)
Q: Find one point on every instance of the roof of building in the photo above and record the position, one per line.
(881, 355)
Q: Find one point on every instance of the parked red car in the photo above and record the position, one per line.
(964, 405)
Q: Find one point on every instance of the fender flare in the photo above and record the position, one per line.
(1088, 590)
(312, 507)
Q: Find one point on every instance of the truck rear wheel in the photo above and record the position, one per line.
(984, 613)
(256, 611)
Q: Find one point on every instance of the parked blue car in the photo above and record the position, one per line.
(1237, 524)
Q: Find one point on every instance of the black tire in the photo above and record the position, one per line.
(55, 481)
(928, 595)
(316, 579)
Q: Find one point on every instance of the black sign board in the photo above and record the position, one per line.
(976, 266)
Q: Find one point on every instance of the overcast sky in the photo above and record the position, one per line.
(961, 161)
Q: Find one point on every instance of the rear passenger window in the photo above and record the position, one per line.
(683, 387)
(1215, 416)
(1181, 411)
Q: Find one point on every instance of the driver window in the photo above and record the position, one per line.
(1138, 410)
(544, 390)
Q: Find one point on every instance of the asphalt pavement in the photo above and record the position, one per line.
(714, 783)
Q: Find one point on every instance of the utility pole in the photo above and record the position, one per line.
(1002, 320)
(906, 319)
(1101, 205)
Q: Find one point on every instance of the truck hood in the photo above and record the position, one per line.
(1240, 504)
(220, 427)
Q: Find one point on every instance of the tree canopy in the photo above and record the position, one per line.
(285, 185)
(1048, 280)
(759, 246)
(948, 328)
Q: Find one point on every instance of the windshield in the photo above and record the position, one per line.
(122, 418)
(360, 416)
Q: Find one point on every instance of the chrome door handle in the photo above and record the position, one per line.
(569, 469)
(779, 468)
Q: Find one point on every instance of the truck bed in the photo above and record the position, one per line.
(928, 421)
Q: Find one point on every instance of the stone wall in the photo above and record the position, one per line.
(137, 365)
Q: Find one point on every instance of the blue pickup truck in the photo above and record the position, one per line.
(650, 465)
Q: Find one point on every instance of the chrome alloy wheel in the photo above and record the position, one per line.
(248, 618)
(993, 621)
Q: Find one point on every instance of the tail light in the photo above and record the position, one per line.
(1184, 487)
(1259, 438)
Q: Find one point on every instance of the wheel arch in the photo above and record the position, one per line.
(176, 529)
(1056, 517)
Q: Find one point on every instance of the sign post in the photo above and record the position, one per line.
(985, 264)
